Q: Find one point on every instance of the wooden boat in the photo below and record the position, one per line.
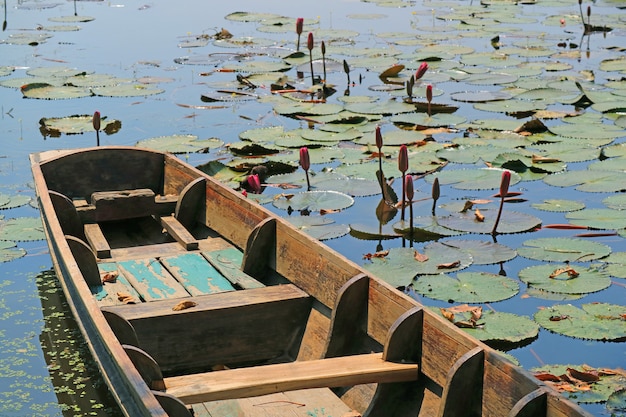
(196, 301)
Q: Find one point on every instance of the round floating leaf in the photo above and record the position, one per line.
(45, 91)
(388, 107)
(510, 222)
(616, 264)
(425, 228)
(77, 124)
(483, 252)
(476, 179)
(371, 232)
(480, 96)
(467, 287)
(356, 187)
(179, 144)
(563, 249)
(14, 201)
(400, 266)
(321, 228)
(22, 229)
(9, 251)
(590, 181)
(595, 321)
(126, 90)
(71, 19)
(598, 218)
(559, 205)
(565, 278)
(314, 201)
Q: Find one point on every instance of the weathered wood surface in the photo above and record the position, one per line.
(123, 204)
(250, 382)
(97, 240)
(179, 232)
(67, 215)
(222, 329)
(228, 262)
(189, 202)
(196, 274)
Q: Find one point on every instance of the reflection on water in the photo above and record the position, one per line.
(48, 375)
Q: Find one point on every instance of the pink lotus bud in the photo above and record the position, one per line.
(504, 183)
(305, 162)
(588, 11)
(403, 159)
(379, 138)
(323, 48)
(408, 187)
(421, 70)
(436, 190)
(299, 25)
(96, 120)
(254, 183)
(429, 93)
(309, 41)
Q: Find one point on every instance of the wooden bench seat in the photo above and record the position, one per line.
(254, 381)
(226, 328)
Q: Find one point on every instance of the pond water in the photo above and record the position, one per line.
(44, 371)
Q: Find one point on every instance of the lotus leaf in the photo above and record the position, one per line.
(602, 384)
(179, 144)
(370, 232)
(45, 91)
(22, 229)
(565, 278)
(425, 228)
(476, 179)
(126, 90)
(510, 222)
(9, 251)
(77, 124)
(321, 228)
(356, 187)
(313, 201)
(483, 252)
(616, 264)
(598, 218)
(563, 249)
(467, 287)
(595, 321)
(557, 205)
(591, 181)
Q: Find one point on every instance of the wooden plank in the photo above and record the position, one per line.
(301, 403)
(196, 274)
(179, 232)
(228, 328)
(97, 241)
(123, 204)
(151, 280)
(106, 293)
(332, 372)
(228, 262)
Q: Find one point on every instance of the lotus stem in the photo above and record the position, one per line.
(403, 166)
(305, 163)
(309, 45)
(95, 121)
(408, 189)
(299, 26)
(379, 145)
(504, 190)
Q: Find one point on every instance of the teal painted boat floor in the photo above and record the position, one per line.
(171, 277)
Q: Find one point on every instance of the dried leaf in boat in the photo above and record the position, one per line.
(183, 305)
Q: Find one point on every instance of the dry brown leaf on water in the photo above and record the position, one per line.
(183, 305)
(108, 276)
(392, 71)
(447, 314)
(537, 159)
(126, 298)
(379, 254)
(547, 377)
(449, 265)
(583, 376)
(329, 211)
(419, 257)
(571, 273)
(479, 216)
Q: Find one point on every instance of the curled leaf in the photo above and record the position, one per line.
(183, 305)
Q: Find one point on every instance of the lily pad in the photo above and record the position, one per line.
(127, 90)
(565, 278)
(557, 205)
(9, 251)
(562, 249)
(314, 201)
(22, 229)
(45, 91)
(319, 227)
(598, 218)
(75, 125)
(510, 221)
(483, 252)
(595, 181)
(467, 287)
(179, 144)
(595, 321)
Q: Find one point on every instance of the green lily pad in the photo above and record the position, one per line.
(319, 227)
(400, 266)
(75, 125)
(314, 201)
(483, 252)
(510, 221)
(565, 278)
(556, 205)
(595, 321)
(591, 181)
(9, 251)
(126, 90)
(467, 287)
(563, 249)
(476, 179)
(598, 218)
(601, 386)
(500, 328)
(9, 202)
(43, 91)
(22, 229)
(179, 144)
(356, 187)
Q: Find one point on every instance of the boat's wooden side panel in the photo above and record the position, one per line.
(130, 390)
